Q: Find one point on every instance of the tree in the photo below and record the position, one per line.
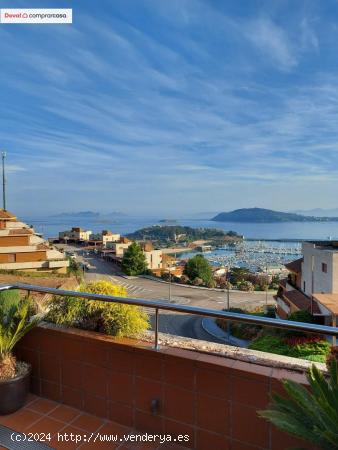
(238, 274)
(134, 261)
(198, 267)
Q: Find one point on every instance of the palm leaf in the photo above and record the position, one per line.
(309, 415)
(15, 322)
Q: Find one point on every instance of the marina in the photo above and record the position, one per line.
(257, 256)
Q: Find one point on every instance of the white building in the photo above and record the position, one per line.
(75, 234)
(312, 283)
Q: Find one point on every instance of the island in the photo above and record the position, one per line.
(261, 215)
(178, 233)
(80, 214)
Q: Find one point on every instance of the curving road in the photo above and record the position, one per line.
(171, 323)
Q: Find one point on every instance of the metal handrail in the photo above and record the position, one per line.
(158, 305)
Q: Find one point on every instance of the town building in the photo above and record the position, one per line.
(76, 234)
(115, 251)
(105, 237)
(118, 248)
(22, 249)
(153, 259)
(312, 283)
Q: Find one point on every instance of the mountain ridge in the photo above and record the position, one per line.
(262, 215)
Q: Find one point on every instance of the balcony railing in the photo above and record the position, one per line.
(158, 305)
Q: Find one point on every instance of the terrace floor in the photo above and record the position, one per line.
(54, 421)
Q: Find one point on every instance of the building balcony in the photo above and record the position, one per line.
(91, 384)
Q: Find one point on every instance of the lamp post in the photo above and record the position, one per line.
(228, 309)
(266, 289)
(3, 155)
(169, 269)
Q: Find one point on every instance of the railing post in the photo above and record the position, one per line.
(156, 346)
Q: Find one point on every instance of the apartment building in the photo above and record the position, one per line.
(118, 248)
(105, 237)
(22, 249)
(153, 257)
(312, 283)
(75, 234)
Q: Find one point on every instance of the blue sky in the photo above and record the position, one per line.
(171, 106)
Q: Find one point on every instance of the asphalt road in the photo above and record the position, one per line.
(172, 323)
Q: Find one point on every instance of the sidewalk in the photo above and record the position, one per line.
(209, 326)
(189, 286)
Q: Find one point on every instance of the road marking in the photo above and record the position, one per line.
(129, 287)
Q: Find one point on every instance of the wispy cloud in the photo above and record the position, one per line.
(272, 42)
(117, 107)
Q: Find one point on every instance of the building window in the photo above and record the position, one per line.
(324, 267)
(304, 286)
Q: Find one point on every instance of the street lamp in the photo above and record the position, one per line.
(169, 283)
(169, 270)
(266, 289)
(228, 309)
(3, 155)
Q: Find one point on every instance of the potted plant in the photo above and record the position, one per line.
(16, 320)
(311, 415)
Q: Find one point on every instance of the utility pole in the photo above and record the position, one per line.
(266, 290)
(3, 154)
(169, 284)
(228, 309)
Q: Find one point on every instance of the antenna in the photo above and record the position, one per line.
(3, 154)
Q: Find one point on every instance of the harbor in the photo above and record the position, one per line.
(254, 255)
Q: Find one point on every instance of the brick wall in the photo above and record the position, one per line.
(211, 398)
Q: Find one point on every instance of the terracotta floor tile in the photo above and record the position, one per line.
(45, 425)
(42, 405)
(172, 447)
(21, 419)
(61, 440)
(100, 445)
(31, 398)
(139, 446)
(114, 427)
(88, 423)
(64, 413)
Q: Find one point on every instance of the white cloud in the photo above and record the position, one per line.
(272, 42)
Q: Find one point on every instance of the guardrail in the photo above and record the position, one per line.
(158, 305)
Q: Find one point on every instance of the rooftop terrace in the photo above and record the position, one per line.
(87, 382)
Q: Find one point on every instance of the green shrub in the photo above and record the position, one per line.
(312, 351)
(246, 286)
(111, 318)
(8, 299)
(301, 316)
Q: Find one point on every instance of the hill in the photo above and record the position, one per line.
(261, 215)
(176, 233)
